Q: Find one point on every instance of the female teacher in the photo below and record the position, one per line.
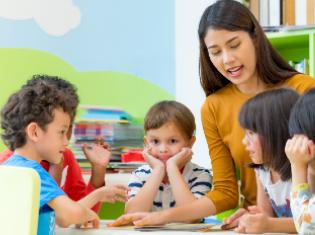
(236, 62)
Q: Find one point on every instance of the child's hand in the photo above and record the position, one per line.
(151, 160)
(233, 220)
(127, 219)
(98, 154)
(181, 158)
(93, 222)
(300, 150)
(114, 193)
(253, 222)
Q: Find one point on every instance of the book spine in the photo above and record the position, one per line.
(264, 13)
(274, 13)
(288, 12)
(300, 12)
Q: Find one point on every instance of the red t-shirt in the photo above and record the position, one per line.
(74, 185)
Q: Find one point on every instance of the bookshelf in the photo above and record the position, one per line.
(296, 46)
(117, 128)
(282, 12)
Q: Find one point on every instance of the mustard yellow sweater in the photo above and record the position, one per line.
(224, 136)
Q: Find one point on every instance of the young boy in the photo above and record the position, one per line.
(74, 185)
(169, 179)
(35, 122)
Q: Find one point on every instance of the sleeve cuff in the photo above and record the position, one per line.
(301, 187)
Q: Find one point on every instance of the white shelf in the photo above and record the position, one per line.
(112, 178)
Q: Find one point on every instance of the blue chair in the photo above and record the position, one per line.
(19, 200)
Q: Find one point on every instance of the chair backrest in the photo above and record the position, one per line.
(19, 200)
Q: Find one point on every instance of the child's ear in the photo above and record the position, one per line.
(192, 141)
(69, 132)
(32, 131)
(145, 140)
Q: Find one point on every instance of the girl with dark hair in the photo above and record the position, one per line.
(300, 150)
(236, 63)
(265, 120)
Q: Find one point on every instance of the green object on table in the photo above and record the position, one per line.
(111, 211)
(218, 219)
(221, 216)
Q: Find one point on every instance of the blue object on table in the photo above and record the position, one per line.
(212, 220)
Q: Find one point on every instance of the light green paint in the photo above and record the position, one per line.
(133, 94)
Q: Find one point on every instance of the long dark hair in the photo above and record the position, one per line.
(234, 16)
(267, 114)
(302, 118)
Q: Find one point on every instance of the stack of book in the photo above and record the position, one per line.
(272, 13)
(115, 127)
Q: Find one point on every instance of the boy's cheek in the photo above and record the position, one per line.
(153, 152)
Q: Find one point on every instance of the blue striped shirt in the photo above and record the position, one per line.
(197, 178)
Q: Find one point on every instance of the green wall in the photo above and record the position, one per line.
(108, 88)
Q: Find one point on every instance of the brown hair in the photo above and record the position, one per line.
(31, 104)
(170, 111)
(61, 84)
(234, 16)
(267, 114)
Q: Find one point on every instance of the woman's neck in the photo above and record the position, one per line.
(254, 86)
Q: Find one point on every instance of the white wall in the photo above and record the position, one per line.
(188, 88)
